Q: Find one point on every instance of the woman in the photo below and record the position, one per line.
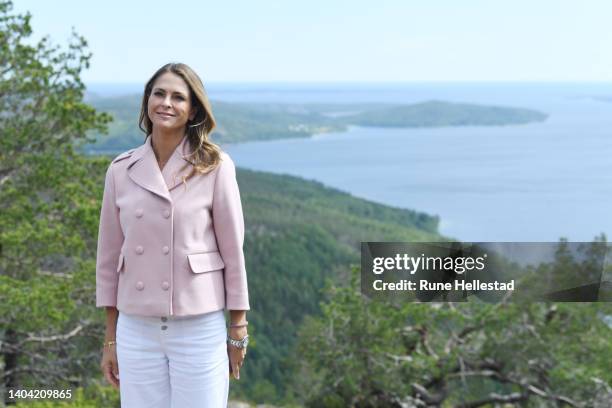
(170, 256)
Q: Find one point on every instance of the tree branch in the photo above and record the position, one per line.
(492, 398)
(38, 339)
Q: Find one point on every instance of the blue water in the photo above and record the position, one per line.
(535, 182)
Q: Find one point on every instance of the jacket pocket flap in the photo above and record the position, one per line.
(120, 263)
(206, 262)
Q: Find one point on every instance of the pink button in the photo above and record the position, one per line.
(139, 285)
(165, 250)
(139, 212)
(139, 250)
(165, 285)
(166, 213)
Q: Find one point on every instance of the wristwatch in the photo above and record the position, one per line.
(242, 343)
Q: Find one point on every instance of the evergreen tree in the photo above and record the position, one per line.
(49, 206)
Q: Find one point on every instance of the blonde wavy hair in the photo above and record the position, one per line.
(205, 155)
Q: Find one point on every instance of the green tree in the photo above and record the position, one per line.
(364, 353)
(49, 204)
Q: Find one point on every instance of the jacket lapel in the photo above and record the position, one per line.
(178, 167)
(144, 170)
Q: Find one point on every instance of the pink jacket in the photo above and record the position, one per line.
(166, 247)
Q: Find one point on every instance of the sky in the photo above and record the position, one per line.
(337, 40)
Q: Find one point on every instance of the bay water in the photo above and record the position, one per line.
(533, 182)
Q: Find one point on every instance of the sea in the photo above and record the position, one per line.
(535, 182)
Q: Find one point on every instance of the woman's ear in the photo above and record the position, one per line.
(192, 114)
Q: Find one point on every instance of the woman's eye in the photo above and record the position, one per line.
(158, 93)
(180, 98)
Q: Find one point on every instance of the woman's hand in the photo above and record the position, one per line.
(236, 355)
(109, 366)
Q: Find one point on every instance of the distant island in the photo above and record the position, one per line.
(242, 122)
(439, 113)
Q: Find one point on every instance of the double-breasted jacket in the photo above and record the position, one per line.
(169, 246)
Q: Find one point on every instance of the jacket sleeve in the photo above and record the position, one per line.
(110, 240)
(228, 225)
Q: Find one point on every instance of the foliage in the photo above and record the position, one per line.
(48, 209)
(93, 396)
(366, 353)
(300, 234)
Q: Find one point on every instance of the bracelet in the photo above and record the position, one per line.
(109, 343)
(241, 344)
(239, 324)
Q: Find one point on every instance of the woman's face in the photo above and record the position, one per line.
(169, 105)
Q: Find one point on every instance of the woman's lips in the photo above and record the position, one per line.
(165, 115)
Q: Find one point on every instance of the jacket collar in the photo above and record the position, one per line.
(144, 170)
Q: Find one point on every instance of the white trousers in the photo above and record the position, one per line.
(173, 362)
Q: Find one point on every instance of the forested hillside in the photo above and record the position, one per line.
(241, 122)
(300, 233)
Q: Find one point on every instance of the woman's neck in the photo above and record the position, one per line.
(164, 145)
